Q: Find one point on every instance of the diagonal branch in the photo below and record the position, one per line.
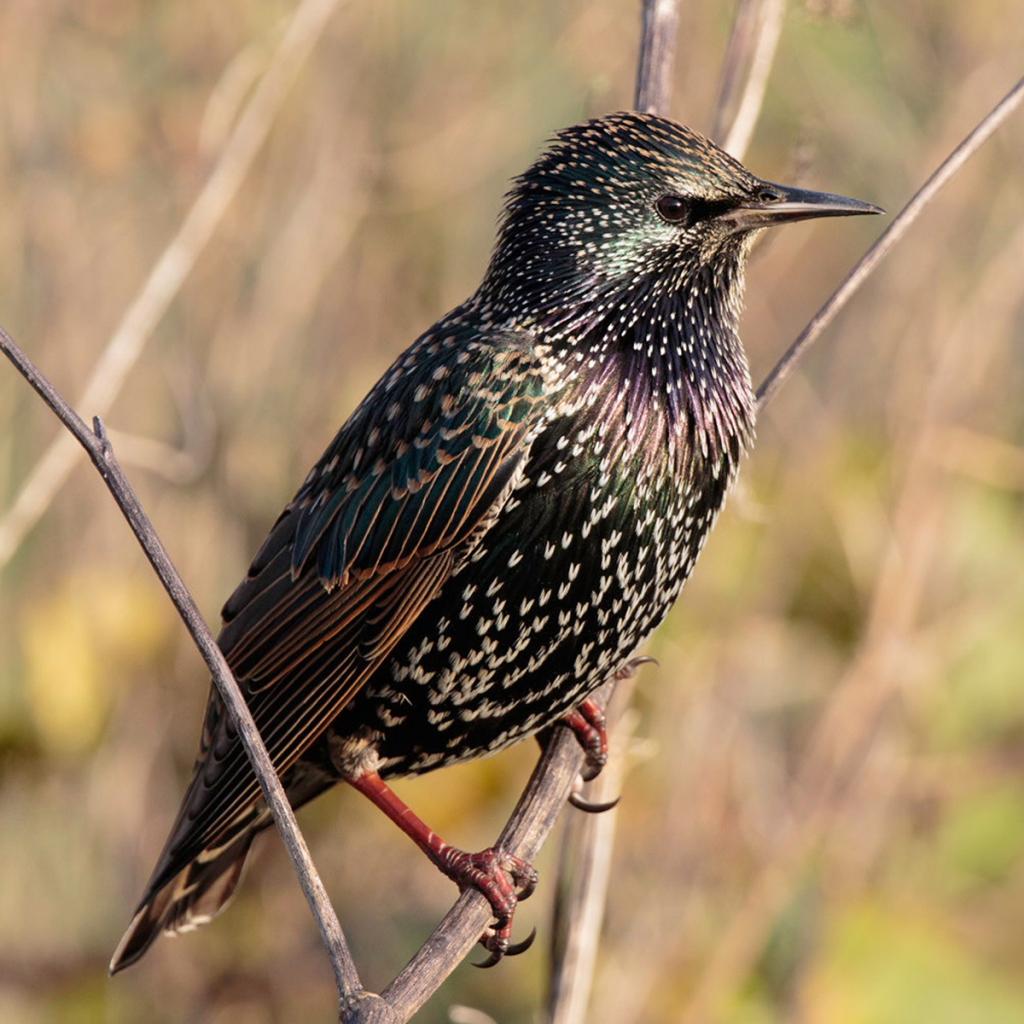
(896, 230)
(97, 445)
(534, 817)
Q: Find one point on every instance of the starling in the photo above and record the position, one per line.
(507, 515)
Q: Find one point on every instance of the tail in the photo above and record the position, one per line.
(190, 898)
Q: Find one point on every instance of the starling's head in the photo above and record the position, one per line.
(633, 196)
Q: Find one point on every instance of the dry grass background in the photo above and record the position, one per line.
(823, 820)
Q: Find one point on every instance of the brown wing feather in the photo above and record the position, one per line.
(322, 669)
(347, 568)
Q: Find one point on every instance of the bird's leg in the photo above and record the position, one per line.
(590, 727)
(502, 878)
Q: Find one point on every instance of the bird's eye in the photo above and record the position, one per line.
(674, 209)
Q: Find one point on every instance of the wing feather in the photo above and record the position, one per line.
(396, 501)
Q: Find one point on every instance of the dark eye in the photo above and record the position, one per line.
(674, 209)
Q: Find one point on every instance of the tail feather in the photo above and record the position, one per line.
(190, 898)
(189, 888)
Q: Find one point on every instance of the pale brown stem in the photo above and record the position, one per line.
(659, 19)
(173, 267)
(772, 14)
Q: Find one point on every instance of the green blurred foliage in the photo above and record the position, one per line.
(894, 967)
(857, 611)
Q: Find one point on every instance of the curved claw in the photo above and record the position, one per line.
(629, 669)
(591, 807)
(528, 888)
(503, 948)
(493, 959)
(593, 765)
(521, 947)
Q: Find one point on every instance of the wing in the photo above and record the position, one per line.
(398, 499)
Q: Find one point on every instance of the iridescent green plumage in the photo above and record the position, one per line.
(507, 515)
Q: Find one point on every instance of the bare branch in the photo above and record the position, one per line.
(752, 43)
(659, 19)
(173, 267)
(924, 195)
(97, 445)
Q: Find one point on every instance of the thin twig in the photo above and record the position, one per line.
(770, 13)
(97, 445)
(173, 267)
(924, 195)
(659, 19)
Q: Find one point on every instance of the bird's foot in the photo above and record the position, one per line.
(504, 880)
(590, 728)
(629, 669)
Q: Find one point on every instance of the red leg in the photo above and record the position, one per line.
(501, 877)
(590, 726)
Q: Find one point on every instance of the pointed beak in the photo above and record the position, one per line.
(778, 204)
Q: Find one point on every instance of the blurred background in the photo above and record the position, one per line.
(823, 810)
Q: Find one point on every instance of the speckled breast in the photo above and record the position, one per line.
(587, 555)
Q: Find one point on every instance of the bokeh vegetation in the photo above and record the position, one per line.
(824, 818)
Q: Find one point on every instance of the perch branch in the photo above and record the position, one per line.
(896, 230)
(97, 445)
(173, 267)
(533, 818)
